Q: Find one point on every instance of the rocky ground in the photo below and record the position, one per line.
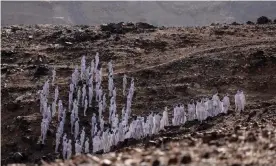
(170, 65)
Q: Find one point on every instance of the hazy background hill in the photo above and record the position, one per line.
(157, 13)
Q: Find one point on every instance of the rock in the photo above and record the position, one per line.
(44, 157)
(255, 124)
(235, 23)
(263, 20)
(173, 160)
(29, 130)
(18, 157)
(205, 155)
(210, 136)
(15, 28)
(156, 163)
(238, 127)
(129, 24)
(191, 142)
(94, 158)
(259, 60)
(186, 158)
(7, 53)
(28, 139)
(25, 97)
(41, 70)
(196, 85)
(11, 145)
(130, 162)
(265, 104)
(204, 126)
(271, 146)
(251, 114)
(265, 134)
(17, 164)
(153, 143)
(117, 38)
(68, 43)
(236, 164)
(250, 23)
(216, 142)
(37, 146)
(144, 164)
(26, 120)
(113, 27)
(11, 128)
(122, 28)
(106, 162)
(144, 25)
(250, 137)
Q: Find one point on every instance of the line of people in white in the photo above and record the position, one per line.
(120, 128)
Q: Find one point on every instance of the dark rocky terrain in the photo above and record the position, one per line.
(170, 65)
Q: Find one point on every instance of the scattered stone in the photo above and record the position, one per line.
(11, 144)
(204, 126)
(205, 155)
(173, 160)
(250, 23)
(251, 114)
(28, 139)
(117, 38)
(236, 164)
(106, 162)
(196, 85)
(113, 27)
(210, 136)
(18, 157)
(41, 70)
(11, 128)
(94, 158)
(265, 133)
(186, 158)
(23, 97)
(15, 28)
(68, 43)
(251, 137)
(16, 164)
(144, 164)
(263, 20)
(271, 146)
(156, 163)
(153, 143)
(144, 25)
(130, 162)
(235, 23)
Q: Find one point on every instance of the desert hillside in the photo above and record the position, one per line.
(170, 66)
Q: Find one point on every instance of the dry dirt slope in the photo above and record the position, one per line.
(170, 65)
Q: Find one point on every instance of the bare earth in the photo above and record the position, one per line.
(170, 65)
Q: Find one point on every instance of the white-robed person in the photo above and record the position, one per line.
(243, 102)
(191, 111)
(226, 103)
(239, 101)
